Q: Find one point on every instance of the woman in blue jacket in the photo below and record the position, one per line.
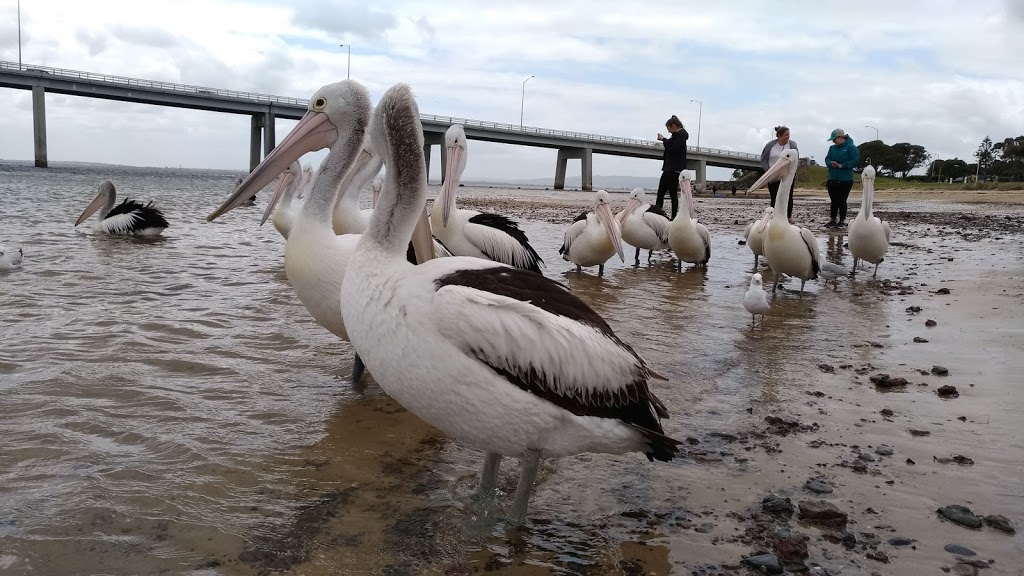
(841, 159)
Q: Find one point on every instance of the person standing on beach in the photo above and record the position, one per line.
(841, 159)
(674, 162)
(770, 155)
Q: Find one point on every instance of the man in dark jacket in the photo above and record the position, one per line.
(674, 162)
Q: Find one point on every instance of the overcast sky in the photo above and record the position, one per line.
(940, 73)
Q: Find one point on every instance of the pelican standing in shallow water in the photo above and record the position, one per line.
(643, 224)
(755, 300)
(127, 218)
(869, 236)
(497, 357)
(593, 237)
(315, 257)
(472, 233)
(789, 250)
(753, 234)
(10, 259)
(688, 238)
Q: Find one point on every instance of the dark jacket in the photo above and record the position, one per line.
(675, 152)
(847, 155)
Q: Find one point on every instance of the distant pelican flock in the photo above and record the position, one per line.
(127, 218)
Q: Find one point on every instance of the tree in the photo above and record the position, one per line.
(951, 168)
(985, 155)
(1010, 148)
(878, 154)
(910, 156)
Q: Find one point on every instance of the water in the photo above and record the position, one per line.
(168, 405)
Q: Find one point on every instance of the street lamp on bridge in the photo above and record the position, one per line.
(522, 104)
(873, 128)
(700, 112)
(348, 67)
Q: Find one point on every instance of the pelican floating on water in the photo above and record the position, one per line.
(497, 357)
(689, 239)
(472, 233)
(753, 234)
(315, 257)
(869, 236)
(643, 224)
(127, 218)
(755, 300)
(593, 237)
(10, 259)
(789, 250)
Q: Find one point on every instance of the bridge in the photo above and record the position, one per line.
(265, 109)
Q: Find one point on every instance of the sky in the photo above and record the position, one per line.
(940, 73)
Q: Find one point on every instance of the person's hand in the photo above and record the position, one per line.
(835, 164)
(660, 137)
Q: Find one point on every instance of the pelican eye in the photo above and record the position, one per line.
(319, 104)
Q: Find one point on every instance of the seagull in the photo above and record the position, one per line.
(755, 300)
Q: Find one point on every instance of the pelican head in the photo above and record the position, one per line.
(603, 210)
(455, 146)
(334, 110)
(787, 163)
(375, 187)
(867, 181)
(105, 197)
(287, 181)
(686, 187)
(10, 258)
(637, 198)
(762, 223)
(755, 281)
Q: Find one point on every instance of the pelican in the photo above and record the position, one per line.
(869, 236)
(129, 217)
(472, 233)
(753, 234)
(788, 249)
(830, 271)
(643, 225)
(282, 202)
(688, 238)
(315, 257)
(593, 237)
(376, 186)
(10, 259)
(755, 300)
(495, 356)
(348, 218)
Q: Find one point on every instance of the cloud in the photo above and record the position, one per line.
(343, 17)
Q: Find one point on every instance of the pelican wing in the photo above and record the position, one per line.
(131, 216)
(502, 241)
(812, 247)
(746, 232)
(888, 232)
(577, 228)
(535, 333)
(657, 221)
(702, 231)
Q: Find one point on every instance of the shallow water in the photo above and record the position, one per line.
(168, 404)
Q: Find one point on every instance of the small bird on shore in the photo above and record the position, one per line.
(833, 272)
(755, 300)
(10, 259)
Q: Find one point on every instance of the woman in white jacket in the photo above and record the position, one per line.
(770, 155)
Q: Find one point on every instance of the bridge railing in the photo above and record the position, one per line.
(65, 74)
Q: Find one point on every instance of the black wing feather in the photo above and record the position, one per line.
(510, 227)
(147, 216)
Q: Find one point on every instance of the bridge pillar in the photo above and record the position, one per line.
(431, 139)
(701, 168)
(39, 124)
(586, 157)
(254, 141)
(269, 135)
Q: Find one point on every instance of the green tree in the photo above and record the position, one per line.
(985, 155)
(880, 155)
(951, 168)
(908, 157)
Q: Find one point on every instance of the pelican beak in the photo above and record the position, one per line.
(687, 187)
(779, 167)
(422, 239)
(314, 132)
(451, 182)
(763, 222)
(376, 195)
(633, 204)
(287, 179)
(93, 206)
(611, 225)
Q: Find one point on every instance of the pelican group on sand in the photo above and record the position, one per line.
(643, 224)
(593, 237)
(127, 218)
(869, 236)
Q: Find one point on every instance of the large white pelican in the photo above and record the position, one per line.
(315, 257)
(869, 236)
(497, 357)
(689, 239)
(348, 218)
(593, 237)
(788, 249)
(128, 218)
(643, 224)
(753, 234)
(10, 259)
(282, 202)
(472, 233)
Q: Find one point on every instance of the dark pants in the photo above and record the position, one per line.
(838, 192)
(773, 189)
(669, 183)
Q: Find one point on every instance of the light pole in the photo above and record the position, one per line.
(700, 112)
(522, 104)
(348, 68)
(873, 128)
(19, 34)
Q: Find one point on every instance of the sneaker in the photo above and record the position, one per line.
(831, 224)
(842, 224)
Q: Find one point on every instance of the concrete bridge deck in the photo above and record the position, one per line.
(264, 109)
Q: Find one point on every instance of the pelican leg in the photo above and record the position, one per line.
(638, 257)
(579, 269)
(855, 266)
(531, 461)
(775, 284)
(755, 262)
(649, 254)
(489, 477)
(357, 370)
(600, 269)
(802, 282)
(875, 275)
